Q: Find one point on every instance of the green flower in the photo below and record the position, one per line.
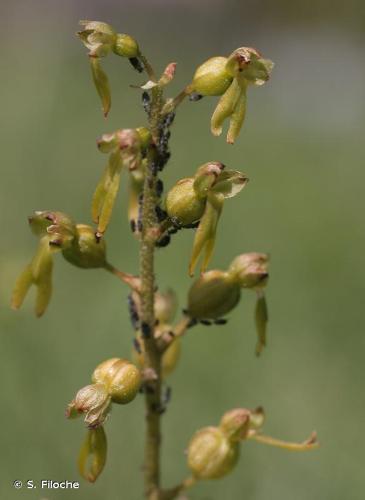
(200, 199)
(229, 78)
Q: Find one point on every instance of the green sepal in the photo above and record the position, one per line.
(205, 177)
(106, 192)
(92, 456)
(237, 117)
(22, 285)
(225, 107)
(230, 183)
(101, 83)
(205, 234)
(261, 318)
(98, 37)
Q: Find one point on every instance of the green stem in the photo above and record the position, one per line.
(152, 354)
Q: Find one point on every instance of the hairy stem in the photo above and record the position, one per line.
(152, 354)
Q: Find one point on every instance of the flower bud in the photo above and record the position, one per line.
(211, 455)
(94, 401)
(165, 306)
(214, 294)
(170, 358)
(85, 251)
(125, 46)
(92, 456)
(251, 270)
(235, 424)
(120, 377)
(212, 78)
(183, 205)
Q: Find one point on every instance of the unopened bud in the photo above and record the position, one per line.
(165, 306)
(213, 295)
(85, 251)
(125, 46)
(251, 270)
(93, 401)
(120, 377)
(212, 78)
(170, 358)
(183, 204)
(235, 424)
(211, 454)
(92, 456)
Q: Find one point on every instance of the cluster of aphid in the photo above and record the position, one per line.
(193, 202)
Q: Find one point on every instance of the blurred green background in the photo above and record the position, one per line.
(302, 147)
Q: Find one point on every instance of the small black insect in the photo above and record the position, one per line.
(192, 322)
(160, 213)
(195, 97)
(193, 225)
(133, 314)
(205, 322)
(166, 397)
(146, 329)
(146, 102)
(137, 346)
(159, 187)
(168, 120)
(137, 64)
(164, 241)
(220, 321)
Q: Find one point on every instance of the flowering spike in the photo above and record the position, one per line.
(92, 456)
